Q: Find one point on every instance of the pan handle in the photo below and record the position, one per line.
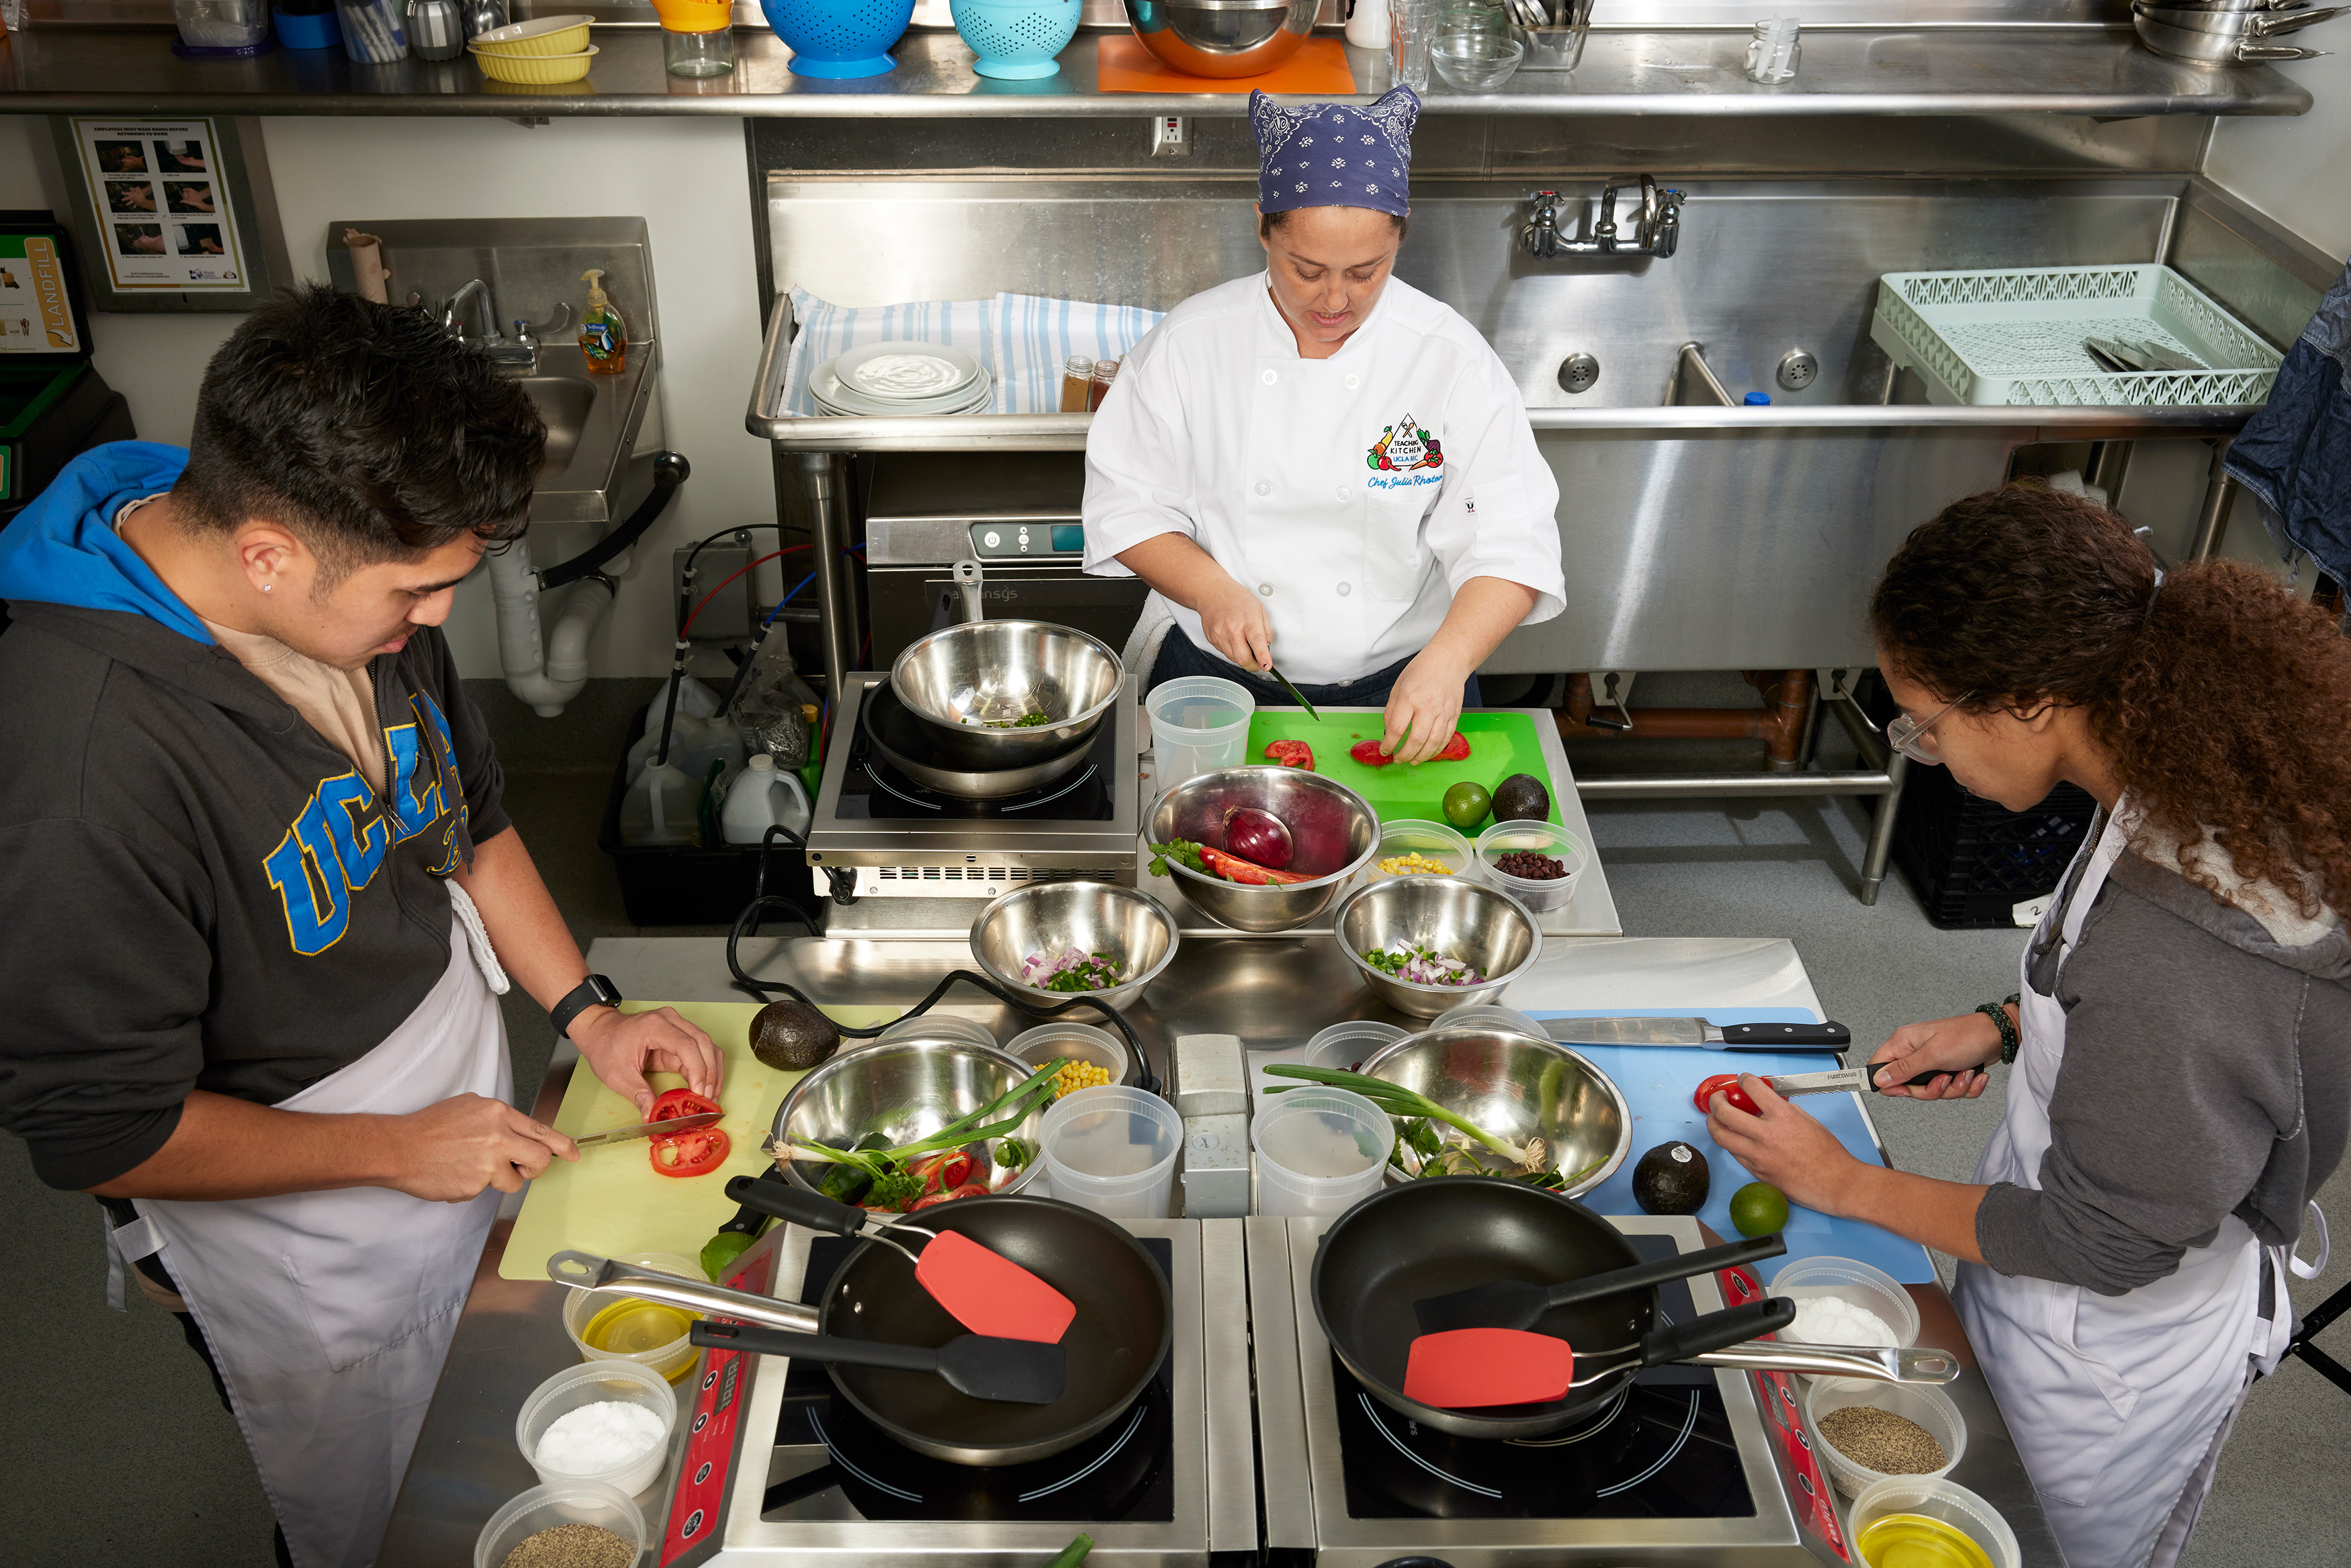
(1715, 1329)
(781, 1201)
(586, 1272)
(815, 1347)
(1660, 1271)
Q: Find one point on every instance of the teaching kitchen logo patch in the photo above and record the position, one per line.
(1403, 446)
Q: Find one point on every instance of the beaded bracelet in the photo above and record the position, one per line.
(1998, 1013)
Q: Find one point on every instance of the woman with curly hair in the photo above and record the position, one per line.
(2181, 1037)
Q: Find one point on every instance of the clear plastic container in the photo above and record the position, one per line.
(1430, 840)
(1073, 1042)
(710, 54)
(1928, 1406)
(1112, 1149)
(937, 1026)
(1198, 724)
(1319, 1150)
(1539, 894)
(1855, 1284)
(1342, 1046)
(599, 1382)
(1486, 1015)
(1938, 1499)
(563, 1503)
(222, 26)
(1776, 52)
(672, 1359)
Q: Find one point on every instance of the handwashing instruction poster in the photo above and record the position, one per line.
(162, 213)
(35, 313)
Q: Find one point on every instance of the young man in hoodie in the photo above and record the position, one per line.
(2181, 1035)
(275, 894)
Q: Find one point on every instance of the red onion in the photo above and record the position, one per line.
(1256, 836)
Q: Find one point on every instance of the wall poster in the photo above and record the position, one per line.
(163, 220)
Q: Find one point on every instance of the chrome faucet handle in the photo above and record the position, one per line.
(1541, 235)
(1605, 231)
(1668, 233)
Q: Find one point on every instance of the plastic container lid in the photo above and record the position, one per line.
(1431, 840)
(1112, 1149)
(1342, 1045)
(1856, 1284)
(1319, 1150)
(1758, 400)
(937, 1026)
(1938, 1498)
(1930, 1407)
(565, 1502)
(1073, 1042)
(599, 1382)
(1486, 1015)
(673, 1360)
(1538, 894)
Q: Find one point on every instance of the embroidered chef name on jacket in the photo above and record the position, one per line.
(337, 842)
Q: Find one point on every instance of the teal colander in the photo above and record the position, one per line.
(1015, 39)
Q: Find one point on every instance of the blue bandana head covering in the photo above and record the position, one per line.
(1334, 154)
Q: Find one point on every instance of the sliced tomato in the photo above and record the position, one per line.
(1727, 1085)
(1292, 754)
(1455, 749)
(1368, 752)
(968, 1189)
(695, 1153)
(678, 1103)
(942, 1171)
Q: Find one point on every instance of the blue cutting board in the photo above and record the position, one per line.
(1658, 1083)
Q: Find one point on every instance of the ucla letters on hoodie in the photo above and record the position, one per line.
(203, 893)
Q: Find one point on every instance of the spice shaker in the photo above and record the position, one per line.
(1076, 375)
(1105, 372)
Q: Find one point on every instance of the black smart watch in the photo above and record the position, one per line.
(593, 992)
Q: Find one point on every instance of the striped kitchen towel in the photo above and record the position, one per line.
(828, 330)
(1034, 336)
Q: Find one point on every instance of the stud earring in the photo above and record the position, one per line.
(269, 588)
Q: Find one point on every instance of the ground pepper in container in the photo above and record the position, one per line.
(570, 1546)
(1883, 1441)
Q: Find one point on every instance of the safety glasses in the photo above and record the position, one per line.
(1913, 739)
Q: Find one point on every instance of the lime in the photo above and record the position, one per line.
(1759, 1209)
(1466, 802)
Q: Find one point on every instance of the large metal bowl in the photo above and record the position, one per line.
(2221, 50)
(1516, 1088)
(961, 679)
(1134, 931)
(2240, 24)
(1222, 38)
(1481, 926)
(903, 1089)
(1334, 834)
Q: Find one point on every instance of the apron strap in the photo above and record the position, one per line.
(2311, 1270)
(478, 939)
(126, 1244)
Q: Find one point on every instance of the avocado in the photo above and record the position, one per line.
(1521, 798)
(792, 1036)
(1670, 1179)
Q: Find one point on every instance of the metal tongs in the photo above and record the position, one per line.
(586, 1272)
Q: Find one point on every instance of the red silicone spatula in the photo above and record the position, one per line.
(1469, 1368)
(984, 1291)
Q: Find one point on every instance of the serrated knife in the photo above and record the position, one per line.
(651, 1129)
(1699, 1032)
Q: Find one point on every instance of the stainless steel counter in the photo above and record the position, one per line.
(59, 68)
(1269, 993)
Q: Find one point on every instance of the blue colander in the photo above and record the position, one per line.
(1015, 39)
(839, 37)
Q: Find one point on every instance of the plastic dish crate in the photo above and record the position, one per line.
(2014, 336)
(1971, 860)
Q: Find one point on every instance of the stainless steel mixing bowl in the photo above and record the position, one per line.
(1222, 38)
(2221, 49)
(963, 680)
(1481, 926)
(1333, 834)
(1516, 1088)
(1131, 930)
(2245, 24)
(903, 1089)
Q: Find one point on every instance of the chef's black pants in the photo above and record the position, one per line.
(1179, 656)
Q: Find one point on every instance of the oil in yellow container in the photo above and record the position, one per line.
(1915, 1540)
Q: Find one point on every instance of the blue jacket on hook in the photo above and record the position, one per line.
(2296, 453)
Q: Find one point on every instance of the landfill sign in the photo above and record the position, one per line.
(35, 315)
(160, 207)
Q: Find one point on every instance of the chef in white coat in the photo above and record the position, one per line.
(1319, 467)
(2180, 1042)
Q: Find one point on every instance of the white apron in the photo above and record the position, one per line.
(328, 1314)
(2119, 1405)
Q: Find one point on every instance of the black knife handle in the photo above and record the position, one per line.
(1786, 1036)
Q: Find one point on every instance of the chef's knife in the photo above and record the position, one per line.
(1844, 1081)
(1275, 671)
(1698, 1031)
(651, 1129)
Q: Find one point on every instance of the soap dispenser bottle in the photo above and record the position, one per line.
(603, 336)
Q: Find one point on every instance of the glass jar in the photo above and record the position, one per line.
(1105, 372)
(710, 54)
(1773, 56)
(1077, 383)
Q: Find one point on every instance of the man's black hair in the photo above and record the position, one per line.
(361, 427)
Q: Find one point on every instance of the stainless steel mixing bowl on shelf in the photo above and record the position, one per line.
(904, 1088)
(971, 684)
(1130, 930)
(1334, 832)
(1481, 926)
(1222, 38)
(1516, 1089)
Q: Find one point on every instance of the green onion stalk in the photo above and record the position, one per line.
(886, 1166)
(1397, 1101)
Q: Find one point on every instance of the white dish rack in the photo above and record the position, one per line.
(2015, 337)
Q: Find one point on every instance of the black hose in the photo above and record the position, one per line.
(670, 471)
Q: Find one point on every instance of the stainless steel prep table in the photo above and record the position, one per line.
(511, 1337)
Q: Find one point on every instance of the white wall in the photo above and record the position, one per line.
(2297, 170)
(686, 176)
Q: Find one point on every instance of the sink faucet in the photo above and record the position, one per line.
(482, 328)
(1656, 226)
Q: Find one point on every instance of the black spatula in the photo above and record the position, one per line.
(1515, 1304)
(1003, 1371)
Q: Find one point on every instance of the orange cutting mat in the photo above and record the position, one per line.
(1320, 66)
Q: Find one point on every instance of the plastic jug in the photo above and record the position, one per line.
(773, 705)
(659, 807)
(760, 797)
(692, 698)
(693, 744)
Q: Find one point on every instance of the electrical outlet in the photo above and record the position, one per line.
(1170, 137)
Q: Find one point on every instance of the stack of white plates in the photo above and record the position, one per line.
(884, 379)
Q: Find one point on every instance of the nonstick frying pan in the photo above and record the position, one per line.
(1112, 1348)
(1427, 1238)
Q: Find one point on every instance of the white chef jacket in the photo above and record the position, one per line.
(1356, 493)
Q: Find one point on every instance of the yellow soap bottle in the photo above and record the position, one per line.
(604, 334)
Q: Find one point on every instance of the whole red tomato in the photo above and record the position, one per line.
(1727, 1085)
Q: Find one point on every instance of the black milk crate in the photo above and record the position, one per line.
(1971, 860)
(683, 884)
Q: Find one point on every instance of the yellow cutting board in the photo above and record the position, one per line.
(612, 1202)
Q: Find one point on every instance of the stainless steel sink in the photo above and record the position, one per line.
(563, 401)
(591, 428)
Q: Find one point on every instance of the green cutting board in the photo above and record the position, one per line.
(1500, 745)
